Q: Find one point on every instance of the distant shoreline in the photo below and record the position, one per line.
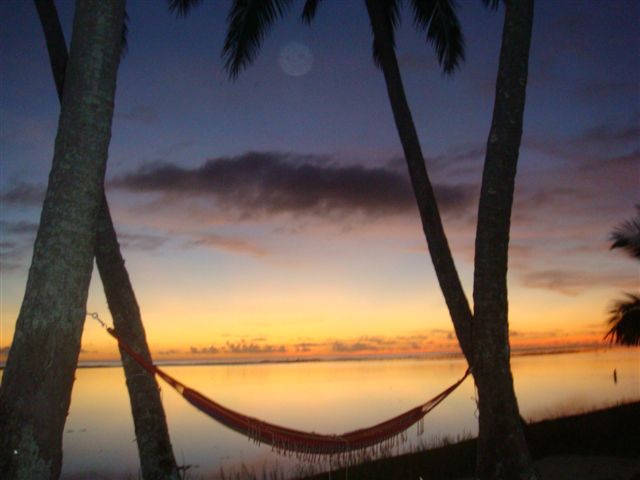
(364, 358)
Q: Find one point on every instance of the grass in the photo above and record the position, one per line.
(609, 432)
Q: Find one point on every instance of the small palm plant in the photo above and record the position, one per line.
(624, 316)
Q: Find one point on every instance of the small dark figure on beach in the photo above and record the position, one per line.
(615, 376)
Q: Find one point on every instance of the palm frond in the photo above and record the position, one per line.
(392, 8)
(249, 21)
(627, 236)
(624, 322)
(309, 11)
(182, 7)
(492, 4)
(439, 19)
(392, 17)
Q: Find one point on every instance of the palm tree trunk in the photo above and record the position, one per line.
(157, 460)
(56, 44)
(431, 222)
(502, 449)
(152, 435)
(39, 373)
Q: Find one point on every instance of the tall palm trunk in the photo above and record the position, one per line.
(431, 222)
(152, 434)
(39, 373)
(502, 450)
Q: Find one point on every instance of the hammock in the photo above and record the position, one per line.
(284, 439)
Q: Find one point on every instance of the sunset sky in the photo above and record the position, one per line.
(272, 216)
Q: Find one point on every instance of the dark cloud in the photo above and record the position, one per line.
(592, 170)
(379, 344)
(553, 196)
(598, 145)
(6, 267)
(135, 241)
(170, 351)
(538, 334)
(204, 350)
(14, 251)
(243, 347)
(574, 282)
(20, 227)
(380, 341)
(440, 331)
(229, 244)
(342, 347)
(23, 194)
(460, 161)
(260, 184)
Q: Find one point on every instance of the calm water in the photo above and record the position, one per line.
(329, 397)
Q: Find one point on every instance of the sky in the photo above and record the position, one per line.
(272, 216)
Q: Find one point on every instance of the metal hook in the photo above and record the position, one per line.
(96, 317)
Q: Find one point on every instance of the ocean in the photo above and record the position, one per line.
(326, 397)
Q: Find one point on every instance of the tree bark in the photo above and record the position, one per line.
(483, 336)
(430, 216)
(157, 460)
(152, 435)
(39, 373)
(502, 449)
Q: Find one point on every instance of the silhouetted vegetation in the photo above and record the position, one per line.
(624, 316)
(609, 432)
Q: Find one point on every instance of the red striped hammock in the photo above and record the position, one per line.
(284, 439)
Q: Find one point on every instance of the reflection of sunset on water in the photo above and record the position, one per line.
(321, 397)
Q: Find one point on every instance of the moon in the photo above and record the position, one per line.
(295, 59)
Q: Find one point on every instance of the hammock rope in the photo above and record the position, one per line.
(306, 445)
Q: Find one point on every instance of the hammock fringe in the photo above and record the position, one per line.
(306, 446)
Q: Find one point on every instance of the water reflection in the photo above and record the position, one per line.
(327, 397)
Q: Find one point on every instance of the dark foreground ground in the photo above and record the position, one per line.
(612, 432)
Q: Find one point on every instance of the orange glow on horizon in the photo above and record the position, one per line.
(350, 348)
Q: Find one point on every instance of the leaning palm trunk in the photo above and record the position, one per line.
(431, 222)
(39, 373)
(502, 450)
(152, 435)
